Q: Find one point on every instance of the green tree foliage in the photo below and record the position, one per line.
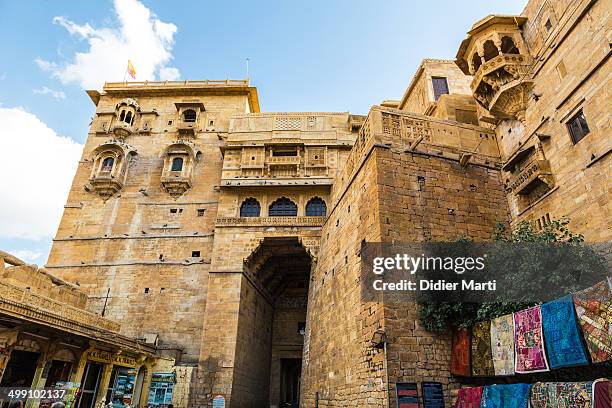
(559, 279)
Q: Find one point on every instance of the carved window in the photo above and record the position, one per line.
(283, 207)
(285, 152)
(440, 86)
(189, 115)
(578, 127)
(476, 62)
(548, 25)
(316, 208)
(177, 164)
(490, 50)
(508, 46)
(250, 208)
(107, 164)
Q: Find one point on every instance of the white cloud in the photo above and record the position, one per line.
(169, 74)
(26, 255)
(38, 167)
(140, 37)
(48, 91)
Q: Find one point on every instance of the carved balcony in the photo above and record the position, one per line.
(175, 183)
(187, 129)
(283, 160)
(105, 184)
(301, 221)
(500, 86)
(529, 175)
(122, 130)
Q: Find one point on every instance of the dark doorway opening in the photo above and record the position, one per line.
(273, 310)
(59, 371)
(91, 382)
(20, 369)
(291, 375)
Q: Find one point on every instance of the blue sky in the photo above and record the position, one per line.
(304, 56)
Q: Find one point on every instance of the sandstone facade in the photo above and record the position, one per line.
(230, 239)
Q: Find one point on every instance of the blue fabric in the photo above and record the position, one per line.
(505, 396)
(561, 336)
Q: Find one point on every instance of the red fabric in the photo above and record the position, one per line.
(469, 397)
(602, 394)
(460, 356)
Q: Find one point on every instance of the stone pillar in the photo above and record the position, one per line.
(40, 375)
(146, 384)
(216, 368)
(105, 378)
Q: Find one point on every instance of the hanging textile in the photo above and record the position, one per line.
(469, 397)
(561, 395)
(602, 393)
(460, 353)
(482, 359)
(502, 345)
(594, 310)
(561, 335)
(505, 396)
(529, 354)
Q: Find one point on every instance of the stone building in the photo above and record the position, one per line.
(229, 240)
(49, 340)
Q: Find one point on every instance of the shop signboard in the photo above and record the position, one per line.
(161, 389)
(106, 357)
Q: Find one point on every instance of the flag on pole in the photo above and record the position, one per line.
(131, 70)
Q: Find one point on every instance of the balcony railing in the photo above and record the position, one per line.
(122, 130)
(187, 128)
(529, 175)
(270, 221)
(283, 160)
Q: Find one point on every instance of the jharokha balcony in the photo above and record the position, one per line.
(495, 54)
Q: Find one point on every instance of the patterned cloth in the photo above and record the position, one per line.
(502, 344)
(594, 311)
(460, 354)
(529, 354)
(602, 393)
(561, 336)
(482, 359)
(561, 395)
(469, 397)
(505, 396)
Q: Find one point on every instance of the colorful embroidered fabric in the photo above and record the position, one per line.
(460, 353)
(561, 335)
(482, 359)
(502, 345)
(529, 354)
(594, 311)
(505, 396)
(469, 397)
(602, 394)
(561, 395)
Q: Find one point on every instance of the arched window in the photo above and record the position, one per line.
(107, 164)
(283, 207)
(189, 115)
(508, 46)
(177, 164)
(316, 208)
(490, 50)
(122, 115)
(476, 62)
(250, 208)
(128, 117)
